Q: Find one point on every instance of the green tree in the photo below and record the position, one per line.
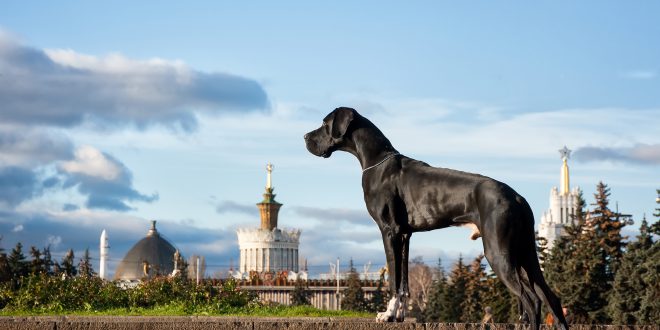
(18, 266)
(455, 292)
(582, 264)
(301, 294)
(472, 307)
(605, 226)
(37, 263)
(629, 284)
(67, 267)
(353, 298)
(503, 304)
(435, 307)
(85, 267)
(378, 301)
(5, 273)
(48, 261)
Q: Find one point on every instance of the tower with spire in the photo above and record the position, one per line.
(562, 205)
(268, 248)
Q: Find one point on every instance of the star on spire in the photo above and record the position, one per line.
(565, 152)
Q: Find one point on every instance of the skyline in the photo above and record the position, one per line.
(116, 114)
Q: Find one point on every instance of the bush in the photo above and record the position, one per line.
(51, 294)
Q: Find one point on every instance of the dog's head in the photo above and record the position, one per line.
(324, 140)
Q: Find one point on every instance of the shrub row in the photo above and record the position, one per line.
(52, 294)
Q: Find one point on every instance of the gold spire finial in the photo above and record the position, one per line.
(564, 181)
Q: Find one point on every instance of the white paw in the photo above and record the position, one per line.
(391, 312)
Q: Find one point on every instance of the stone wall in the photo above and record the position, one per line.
(251, 323)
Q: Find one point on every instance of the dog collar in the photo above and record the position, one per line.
(382, 161)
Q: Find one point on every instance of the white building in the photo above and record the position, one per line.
(562, 205)
(268, 248)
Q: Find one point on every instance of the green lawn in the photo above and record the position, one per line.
(180, 310)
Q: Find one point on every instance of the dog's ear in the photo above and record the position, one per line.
(342, 119)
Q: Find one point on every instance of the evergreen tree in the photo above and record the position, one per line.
(67, 267)
(378, 301)
(48, 261)
(503, 304)
(541, 248)
(18, 267)
(605, 226)
(456, 292)
(353, 299)
(5, 273)
(629, 285)
(472, 307)
(649, 310)
(301, 294)
(37, 263)
(435, 307)
(85, 268)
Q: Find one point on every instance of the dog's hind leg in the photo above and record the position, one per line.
(507, 272)
(542, 289)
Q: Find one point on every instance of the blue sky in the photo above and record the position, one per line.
(120, 112)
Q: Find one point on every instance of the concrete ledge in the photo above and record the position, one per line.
(252, 323)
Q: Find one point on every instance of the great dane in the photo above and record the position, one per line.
(404, 196)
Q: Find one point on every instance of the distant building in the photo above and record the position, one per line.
(563, 202)
(268, 248)
(151, 256)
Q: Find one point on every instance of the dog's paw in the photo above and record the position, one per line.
(391, 313)
(384, 317)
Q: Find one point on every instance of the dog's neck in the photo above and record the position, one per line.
(368, 150)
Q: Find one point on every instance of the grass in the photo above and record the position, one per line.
(181, 310)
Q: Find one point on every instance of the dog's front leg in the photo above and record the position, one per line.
(393, 247)
(404, 293)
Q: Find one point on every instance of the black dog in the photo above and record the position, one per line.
(404, 196)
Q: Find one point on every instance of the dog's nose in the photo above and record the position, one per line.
(306, 136)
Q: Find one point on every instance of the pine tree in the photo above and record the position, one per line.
(606, 227)
(85, 268)
(435, 308)
(378, 301)
(503, 304)
(67, 267)
(301, 294)
(48, 261)
(37, 263)
(629, 285)
(18, 267)
(353, 298)
(472, 307)
(5, 273)
(649, 309)
(456, 292)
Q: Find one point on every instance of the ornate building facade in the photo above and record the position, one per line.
(562, 205)
(268, 248)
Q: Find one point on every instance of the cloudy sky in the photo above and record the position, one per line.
(115, 113)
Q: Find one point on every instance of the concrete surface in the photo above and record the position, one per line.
(251, 323)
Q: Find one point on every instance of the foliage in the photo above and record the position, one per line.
(379, 298)
(301, 294)
(353, 297)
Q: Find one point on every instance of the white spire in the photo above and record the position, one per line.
(269, 169)
(103, 248)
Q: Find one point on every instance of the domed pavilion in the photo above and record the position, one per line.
(151, 256)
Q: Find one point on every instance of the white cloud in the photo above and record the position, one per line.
(90, 161)
(17, 228)
(64, 88)
(53, 241)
